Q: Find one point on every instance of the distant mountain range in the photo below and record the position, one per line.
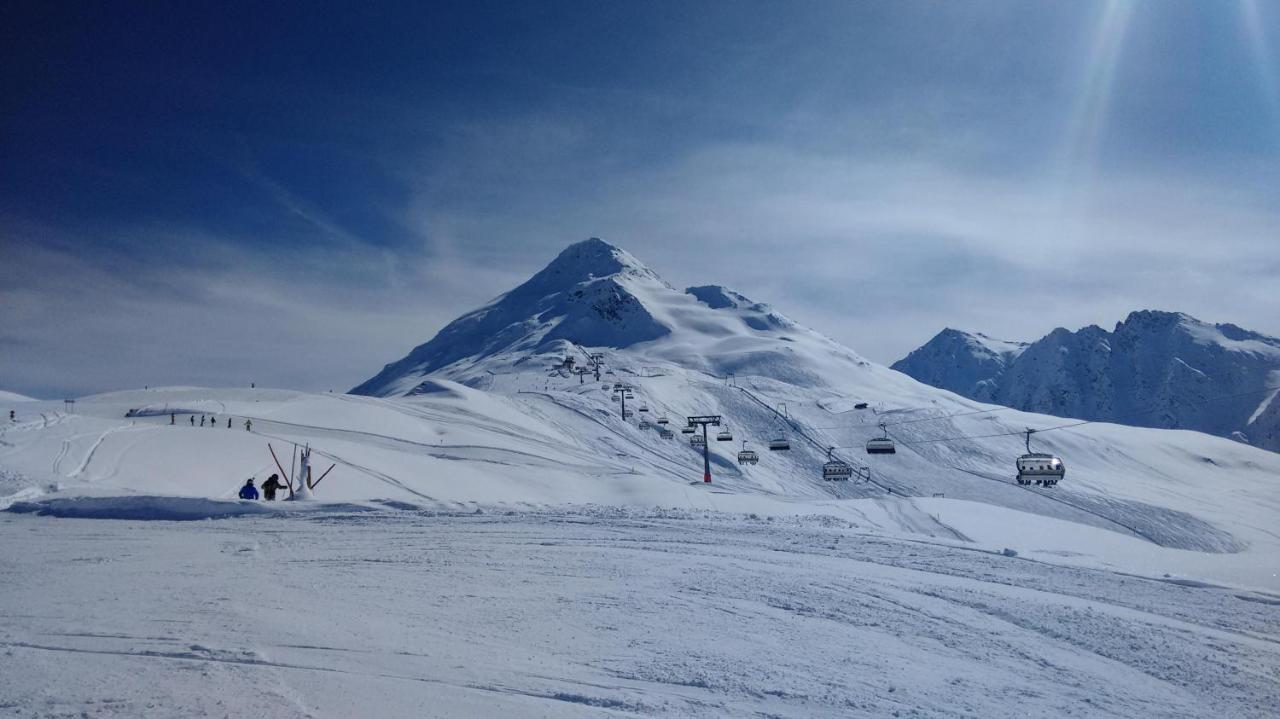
(1155, 369)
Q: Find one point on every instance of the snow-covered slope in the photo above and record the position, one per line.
(477, 417)
(1156, 369)
(10, 397)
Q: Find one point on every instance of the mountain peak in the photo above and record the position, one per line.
(588, 260)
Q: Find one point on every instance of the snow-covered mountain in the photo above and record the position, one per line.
(477, 417)
(967, 363)
(1155, 369)
(598, 296)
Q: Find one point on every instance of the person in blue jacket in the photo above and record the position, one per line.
(248, 491)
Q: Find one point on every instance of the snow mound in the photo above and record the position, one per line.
(140, 507)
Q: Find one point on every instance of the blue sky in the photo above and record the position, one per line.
(297, 195)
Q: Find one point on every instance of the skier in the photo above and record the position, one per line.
(270, 487)
(193, 420)
(228, 423)
(201, 420)
(173, 418)
(248, 491)
(11, 417)
(213, 421)
(248, 425)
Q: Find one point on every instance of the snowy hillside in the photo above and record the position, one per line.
(11, 397)
(543, 536)
(1156, 369)
(486, 414)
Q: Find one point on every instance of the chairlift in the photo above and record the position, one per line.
(644, 424)
(616, 398)
(881, 445)
(1039, 468)
(836, 470)
(687, 430)
(780, 443)
(663, 421)
(697, 440)
(644, 408)
(627, 414)
(724, 435)
(747, 456)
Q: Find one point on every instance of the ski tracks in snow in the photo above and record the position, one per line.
(622, 612)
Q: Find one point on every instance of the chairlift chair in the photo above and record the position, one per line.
(663, 421)
(747, 456)
(644, 408)
(687, 430)
(666, 433)
(1039, 468)
(881, 445)
(779, 443)
(724, 435)
(644, 424)
(836, 470)
(697, 440)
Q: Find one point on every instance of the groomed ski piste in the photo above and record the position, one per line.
(494, 538)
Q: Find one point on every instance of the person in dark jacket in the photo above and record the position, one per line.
(270, 487)
(248, 491)
(193, 420)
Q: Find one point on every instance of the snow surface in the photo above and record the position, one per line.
(493, 538)
(6, 397)
(600, 612)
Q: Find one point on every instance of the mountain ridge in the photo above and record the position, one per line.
(1154, 369)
